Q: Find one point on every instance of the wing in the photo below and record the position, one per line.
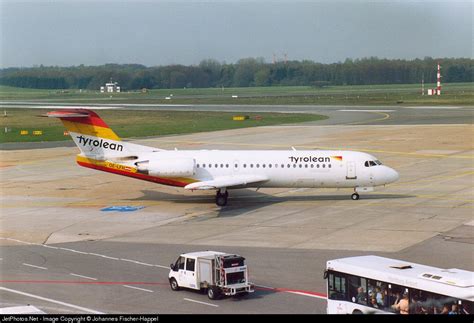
(226, 182)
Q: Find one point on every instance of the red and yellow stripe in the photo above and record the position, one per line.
(339, 158)
(90, 130)
(110, 167)
(85, 122)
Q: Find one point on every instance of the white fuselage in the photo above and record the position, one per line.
(289, 168)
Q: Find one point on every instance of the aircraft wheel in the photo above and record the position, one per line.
(355, 196)
(221, 199)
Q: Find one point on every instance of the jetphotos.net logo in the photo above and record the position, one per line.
(99, 143)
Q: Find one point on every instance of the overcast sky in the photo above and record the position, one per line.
(152, 33)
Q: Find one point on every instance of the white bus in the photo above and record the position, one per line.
(372, 285)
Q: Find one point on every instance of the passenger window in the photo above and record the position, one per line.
(197, 165)
(317, 166)
(312, 165)
(337, 286)
(210, 165)
(269, 165)
(378, 294)
(294, 165)
(245, 165)
(358, 290)
(190, 264)
(324, 165)
(288, 166)
(329, 165)
(251, 165)
(215, 165)
(465, 307)
(236, 165)
(263, 165)
(258, 165)
(395, 299)
(222, 165)
(301, 165)
(226, 165)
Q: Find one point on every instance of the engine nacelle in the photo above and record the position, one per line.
(171, 167)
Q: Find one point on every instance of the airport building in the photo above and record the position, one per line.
(111, 87)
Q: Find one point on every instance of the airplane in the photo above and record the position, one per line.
(221, 170)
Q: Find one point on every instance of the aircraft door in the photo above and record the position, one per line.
(351, 170)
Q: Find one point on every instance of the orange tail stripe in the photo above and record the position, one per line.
(90, 130)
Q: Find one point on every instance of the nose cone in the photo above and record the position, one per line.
(391, 175)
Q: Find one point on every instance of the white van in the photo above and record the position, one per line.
(217, 272)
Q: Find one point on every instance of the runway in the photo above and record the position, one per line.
(56, 243)
(338, 114)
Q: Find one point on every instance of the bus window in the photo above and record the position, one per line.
(337, 286)
(377, 290)
(466, 307)
(423, 302)
(443, 304)
(358, 290)
(399, 299)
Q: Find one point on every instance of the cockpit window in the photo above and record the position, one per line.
(370, 163)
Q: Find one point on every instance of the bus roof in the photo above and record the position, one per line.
(451, 282)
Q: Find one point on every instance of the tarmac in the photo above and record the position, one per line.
(57, 244)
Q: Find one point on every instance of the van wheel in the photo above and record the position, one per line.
(174, 284)
(213, 293)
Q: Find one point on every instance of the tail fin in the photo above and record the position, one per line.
(84, 122)
(93, 136)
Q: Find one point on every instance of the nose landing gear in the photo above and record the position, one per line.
(355, 196)
(221, 197)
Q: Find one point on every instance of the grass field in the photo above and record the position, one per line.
(407, 94)
(129, 123)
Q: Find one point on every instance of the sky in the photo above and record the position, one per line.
(152, 33)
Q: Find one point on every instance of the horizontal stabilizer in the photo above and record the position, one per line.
(66, 114)
(226, 182)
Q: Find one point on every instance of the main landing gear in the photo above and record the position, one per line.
(355, 196)
(221, 197)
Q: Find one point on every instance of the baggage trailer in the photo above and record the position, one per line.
(217, 273)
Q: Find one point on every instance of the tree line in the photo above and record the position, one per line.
(244, 73)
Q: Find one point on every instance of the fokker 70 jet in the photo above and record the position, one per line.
(221, 170)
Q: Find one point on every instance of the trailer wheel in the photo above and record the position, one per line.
(174, 284)
(213, 293)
